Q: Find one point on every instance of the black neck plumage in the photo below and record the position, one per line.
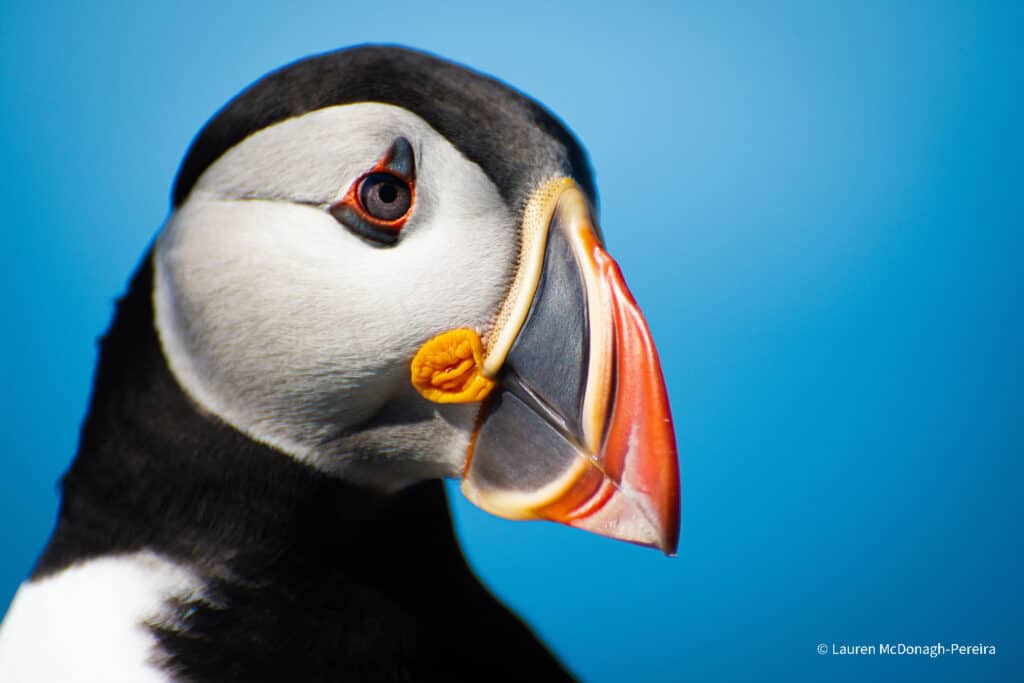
(311, 577)
(153, 471)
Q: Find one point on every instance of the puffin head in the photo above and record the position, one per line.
(387, 267)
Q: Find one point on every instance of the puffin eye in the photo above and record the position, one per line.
(384, 196)
(378, 204)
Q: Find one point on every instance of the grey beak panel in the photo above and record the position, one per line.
(511, 431)
(550, 356)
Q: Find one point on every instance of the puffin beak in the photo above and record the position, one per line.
(577, 429)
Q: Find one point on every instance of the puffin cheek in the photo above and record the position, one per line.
(275, 339)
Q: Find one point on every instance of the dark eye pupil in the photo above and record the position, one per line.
(384, 196)
(387, 193)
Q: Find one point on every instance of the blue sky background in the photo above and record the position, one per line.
(818, 206)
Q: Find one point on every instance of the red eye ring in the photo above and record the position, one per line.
(383, 198)
(379, 202)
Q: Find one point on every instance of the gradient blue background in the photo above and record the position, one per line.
(819, 207)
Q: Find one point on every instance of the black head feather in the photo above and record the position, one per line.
(511, 137)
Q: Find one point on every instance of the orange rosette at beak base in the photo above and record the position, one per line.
(449, 368)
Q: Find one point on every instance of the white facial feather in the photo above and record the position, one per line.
(282, 322)
(88, 623)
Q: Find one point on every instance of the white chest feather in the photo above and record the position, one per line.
(89, 622)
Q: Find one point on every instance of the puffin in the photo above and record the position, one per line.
(380, 269)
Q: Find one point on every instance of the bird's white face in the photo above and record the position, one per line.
(298, 331)
(347, 287)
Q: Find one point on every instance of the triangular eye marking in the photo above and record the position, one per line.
(379, 202)
(399, 160)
